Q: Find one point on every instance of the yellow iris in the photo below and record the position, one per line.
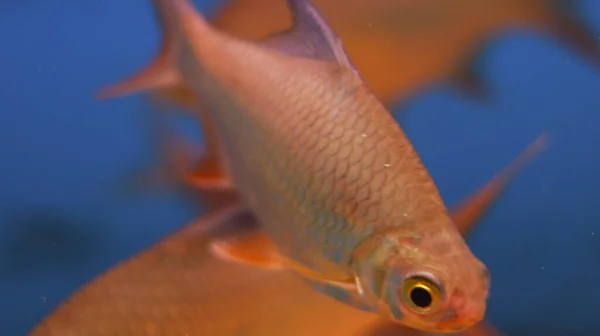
(421, 295)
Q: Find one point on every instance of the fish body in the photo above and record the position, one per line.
(323, 166)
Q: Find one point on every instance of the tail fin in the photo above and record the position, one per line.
(174, 17)
(466, 214)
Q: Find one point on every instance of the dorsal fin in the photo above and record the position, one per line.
(310, 36)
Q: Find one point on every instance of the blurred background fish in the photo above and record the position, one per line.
(177, 288)
(403, 46)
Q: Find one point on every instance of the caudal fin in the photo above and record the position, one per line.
(174, 16)
(466, 214)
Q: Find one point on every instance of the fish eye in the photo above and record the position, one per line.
(421, 294)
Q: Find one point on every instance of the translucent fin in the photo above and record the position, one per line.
(162, 73)
(310, 36)
(252, 249)
(180, 96)
(180, 162)
(258, 250)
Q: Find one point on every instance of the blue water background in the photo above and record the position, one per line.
(63, 219)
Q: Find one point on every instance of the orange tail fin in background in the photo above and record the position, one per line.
(466, 214)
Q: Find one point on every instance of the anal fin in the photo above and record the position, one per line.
(208, 175)
(181, 163)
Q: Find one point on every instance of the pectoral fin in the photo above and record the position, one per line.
(258, 250)
(466, 214)
(255, 249)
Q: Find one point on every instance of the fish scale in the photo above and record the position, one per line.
(322, 125)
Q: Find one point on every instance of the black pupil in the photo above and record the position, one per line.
(421, 297)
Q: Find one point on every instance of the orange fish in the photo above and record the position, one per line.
(403, 46)
(342, 196)
(177, 288)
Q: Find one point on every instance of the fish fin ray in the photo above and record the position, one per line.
(179, 158)
(255, 249)
(469, 211)
(179, 96)
(209, 175)
(310, 36)
(235, 220)
(178, 164)
(231, 219)
(161, 73)
(207, 172)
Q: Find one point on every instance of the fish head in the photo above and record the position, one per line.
(428, 281)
